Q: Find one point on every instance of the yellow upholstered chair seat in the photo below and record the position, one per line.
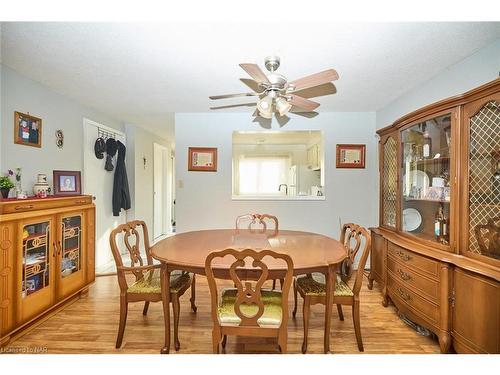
(315, 285)
(150, 283)
(272, 308)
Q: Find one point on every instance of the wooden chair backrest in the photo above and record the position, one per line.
(247, 293)
(132, 232)
(354, 237)
(261, 221)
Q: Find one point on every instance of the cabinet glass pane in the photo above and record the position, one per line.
(389, 182)
(425, 181)
(484, 181)
(36, 257)
(71, 245)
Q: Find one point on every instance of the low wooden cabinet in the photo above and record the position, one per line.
(436, 251)
(477, 329)
(46, 257)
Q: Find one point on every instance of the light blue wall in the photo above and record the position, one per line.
(57, 112)
(477, 69)
(205, 200)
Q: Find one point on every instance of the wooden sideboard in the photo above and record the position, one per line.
(436, 251)
(46, 257)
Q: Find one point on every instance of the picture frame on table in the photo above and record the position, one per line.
(27, 130)
(67, 182)
(202, 159)
(351, 155)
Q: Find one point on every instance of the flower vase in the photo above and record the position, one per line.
(5, 192)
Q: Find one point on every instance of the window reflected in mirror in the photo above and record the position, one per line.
(278, 164)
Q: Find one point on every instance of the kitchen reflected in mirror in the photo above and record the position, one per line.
(278, 165)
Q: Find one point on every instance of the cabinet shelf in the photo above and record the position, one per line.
(426, 200)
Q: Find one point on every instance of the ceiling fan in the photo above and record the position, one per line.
(277, 94)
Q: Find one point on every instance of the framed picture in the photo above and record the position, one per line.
(27, 130)
(202, 159)
(351, 156)
(67, 183)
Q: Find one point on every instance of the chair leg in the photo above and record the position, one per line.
(294, 312)
(305, 316)
(216, 339)
(176, 306)
(146, 307)
(341, 313)
(357, 326)
(274, 284)
(282, 281)
(282, 342)
(193, 295)
(123, 320)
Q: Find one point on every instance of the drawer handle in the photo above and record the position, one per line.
(25, 207)
(404, 275)
(81, 201)
(403, 294)
(403, 255)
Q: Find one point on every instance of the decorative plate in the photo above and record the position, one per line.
(411, 219)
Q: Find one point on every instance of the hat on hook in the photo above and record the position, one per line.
(111, 148)
(99, 148)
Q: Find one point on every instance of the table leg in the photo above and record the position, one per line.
(165, 294)
(330, 287)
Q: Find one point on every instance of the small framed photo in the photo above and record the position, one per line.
(67, 183)
(351, 156)
(27, 130)
(202, 159)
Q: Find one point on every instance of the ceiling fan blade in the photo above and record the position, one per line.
(304, 114)
(255, 113)
(282, 120)
(314, 79)
(321, 90)
(263, 122)
(234, 105)
(215, 97)
(303, 103)
(254, 86)
(255, 72)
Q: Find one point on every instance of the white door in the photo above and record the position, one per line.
(161, 212)
(99, 183)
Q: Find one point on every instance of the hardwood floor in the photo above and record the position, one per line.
(90, 325)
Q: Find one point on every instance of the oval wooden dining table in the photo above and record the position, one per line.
(310, 252)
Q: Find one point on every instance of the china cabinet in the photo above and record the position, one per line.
(436, 251)
(46, 257)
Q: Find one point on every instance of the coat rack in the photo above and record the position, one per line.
(104, 134)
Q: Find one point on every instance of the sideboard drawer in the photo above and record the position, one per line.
(410, 259)
(405, 275)
(417, 304)
(28, 205)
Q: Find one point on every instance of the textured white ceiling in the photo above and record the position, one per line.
(142, 72)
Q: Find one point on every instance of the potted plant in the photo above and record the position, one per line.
(6, 183)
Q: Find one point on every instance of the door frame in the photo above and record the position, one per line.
(166, 176)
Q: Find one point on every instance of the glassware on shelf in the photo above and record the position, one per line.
(425, 170)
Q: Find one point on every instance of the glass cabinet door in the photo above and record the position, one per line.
(425, 184)
(71, 245)
(389, 181)
(484, 181)
(36, 263)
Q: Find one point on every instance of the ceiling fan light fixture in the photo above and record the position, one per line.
(283, 106)
(267, 115)
(265, 107)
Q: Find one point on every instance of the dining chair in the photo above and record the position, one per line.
(312, 287)
(147, 286)
(248, 310)
(258, 223)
